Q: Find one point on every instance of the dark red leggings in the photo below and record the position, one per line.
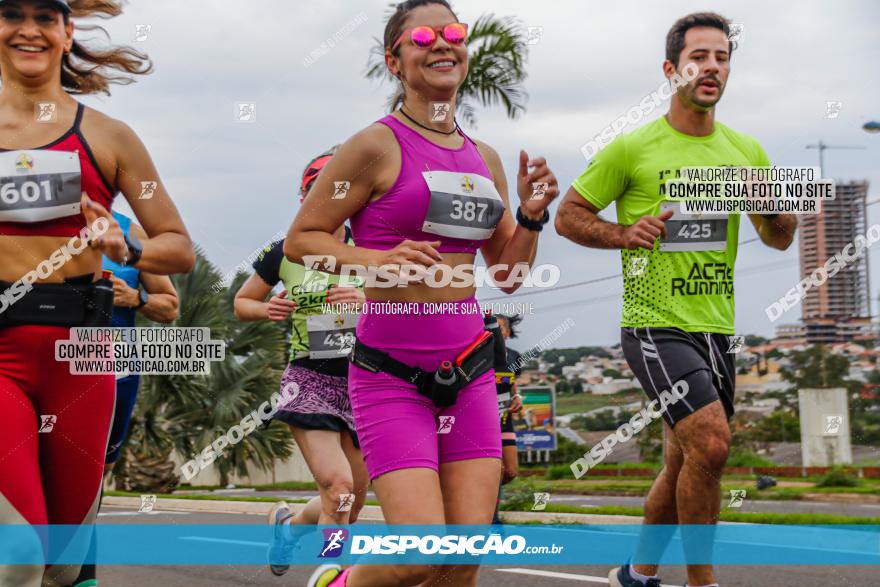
(49, 477)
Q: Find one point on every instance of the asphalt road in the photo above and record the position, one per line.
(808, 507)
(550, 575)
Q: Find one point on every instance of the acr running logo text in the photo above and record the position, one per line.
(705, 279)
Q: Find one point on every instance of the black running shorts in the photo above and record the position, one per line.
(660, 357)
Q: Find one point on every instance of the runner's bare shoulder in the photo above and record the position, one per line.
(110, 139)
(373, 155)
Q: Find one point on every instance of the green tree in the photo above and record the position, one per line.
(650, 441)
(496, 68)
(815, 367)
(186, 413)
(567, 451)
(571, 356)
(774, 354)
(788, 399)
(614, 373)
(780, 426)
(600, 421)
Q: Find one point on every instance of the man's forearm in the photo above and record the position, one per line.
(161, 308)
(582, 226)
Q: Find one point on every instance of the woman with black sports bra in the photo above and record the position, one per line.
(55, 224)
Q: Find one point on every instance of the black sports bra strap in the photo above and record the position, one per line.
(80, 109)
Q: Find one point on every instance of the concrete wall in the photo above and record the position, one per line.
(293, 469)
(825, 432)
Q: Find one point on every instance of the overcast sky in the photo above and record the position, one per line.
(235, 183)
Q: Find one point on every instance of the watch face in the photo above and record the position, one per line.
(144, 297)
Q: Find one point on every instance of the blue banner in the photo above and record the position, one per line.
(170, 544)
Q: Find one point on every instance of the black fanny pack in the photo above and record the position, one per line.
(441, 386)
(78, 302)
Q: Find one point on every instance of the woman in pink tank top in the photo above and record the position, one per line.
(422, 198)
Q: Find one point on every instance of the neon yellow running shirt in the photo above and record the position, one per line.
(689, 283)
(307, 287)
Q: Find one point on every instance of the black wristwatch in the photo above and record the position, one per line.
(533, 225)
(135, 250)
(145, 298)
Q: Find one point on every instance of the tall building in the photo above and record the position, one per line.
(839, 310)
(789, 335)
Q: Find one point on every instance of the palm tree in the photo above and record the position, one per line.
(186, 413)
(496, 68)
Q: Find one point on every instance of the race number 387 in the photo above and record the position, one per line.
(461, 205)
(470, 211)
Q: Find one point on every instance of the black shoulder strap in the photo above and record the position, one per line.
(80, 109)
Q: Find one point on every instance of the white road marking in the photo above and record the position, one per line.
(556, 575)
(153, 513)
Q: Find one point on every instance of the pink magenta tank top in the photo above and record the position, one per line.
(441, 194)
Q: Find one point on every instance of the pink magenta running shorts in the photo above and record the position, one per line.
(399, 428)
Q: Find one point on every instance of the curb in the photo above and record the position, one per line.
(371, 513)
(841, 498)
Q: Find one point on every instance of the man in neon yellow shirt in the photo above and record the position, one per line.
(678, 280)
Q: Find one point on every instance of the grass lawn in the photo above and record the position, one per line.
(569, 403)
(640, 487)
(608, 486)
